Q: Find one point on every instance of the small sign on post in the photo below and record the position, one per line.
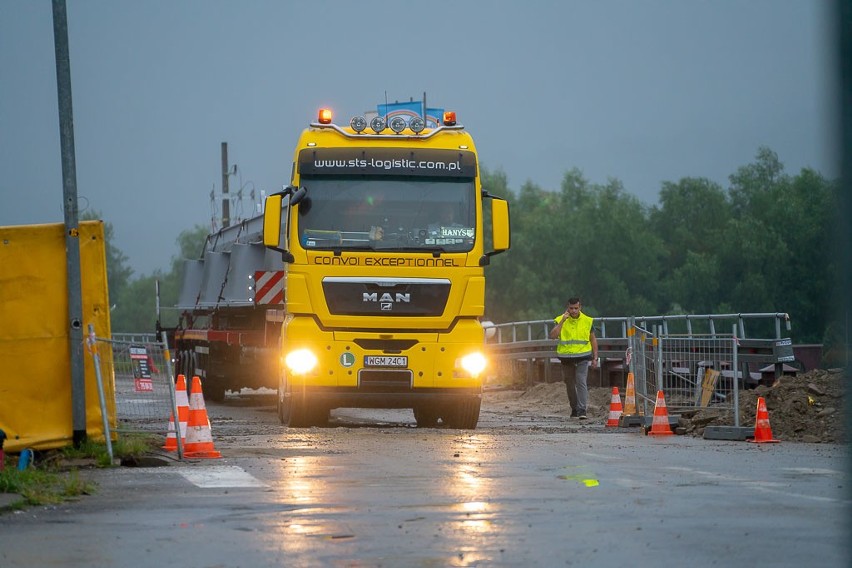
(141, 369)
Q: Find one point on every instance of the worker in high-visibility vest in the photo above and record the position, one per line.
(577, 349)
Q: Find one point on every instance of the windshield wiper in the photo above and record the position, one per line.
(348, 248)
(338, 250)
(435, 250)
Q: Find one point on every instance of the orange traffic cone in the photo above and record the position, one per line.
(182, 403)
(630, 396)
(632, 416)
(762, 431)
(630, 408)
(660, 424)
(199, 438)
(615, 409)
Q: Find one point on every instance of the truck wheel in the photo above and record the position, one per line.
(292, 411)
(283, 413)
(318, 417)
(214, 390)
(464, 414)
(426, 416)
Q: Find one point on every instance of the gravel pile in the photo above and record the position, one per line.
(804, 408)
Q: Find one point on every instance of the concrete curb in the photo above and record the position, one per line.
(7, 500)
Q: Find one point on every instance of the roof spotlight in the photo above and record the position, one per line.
(378, 124)
(416, 124)
(358, 123)
(397, 124)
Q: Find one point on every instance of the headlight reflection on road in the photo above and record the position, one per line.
(471, 485)
(470, 482)
(478, 517)
(469, 478)
(298, 477)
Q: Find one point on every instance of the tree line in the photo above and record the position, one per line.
(765, 243)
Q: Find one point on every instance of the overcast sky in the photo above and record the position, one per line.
(644, 92)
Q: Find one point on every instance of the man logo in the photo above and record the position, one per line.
(386, 298)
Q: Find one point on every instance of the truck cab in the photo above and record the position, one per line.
(384, 240)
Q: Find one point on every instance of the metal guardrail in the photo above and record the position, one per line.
(529, 343)
(616, 327)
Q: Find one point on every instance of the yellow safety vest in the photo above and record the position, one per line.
(574, 337)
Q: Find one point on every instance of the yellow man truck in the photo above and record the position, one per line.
(384, 233)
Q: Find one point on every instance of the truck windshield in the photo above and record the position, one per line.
(387, 213)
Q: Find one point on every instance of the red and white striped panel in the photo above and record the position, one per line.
(269, 287)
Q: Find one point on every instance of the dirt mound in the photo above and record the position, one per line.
(805, 408)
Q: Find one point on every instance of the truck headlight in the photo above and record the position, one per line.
(474, 363)
(301, 361)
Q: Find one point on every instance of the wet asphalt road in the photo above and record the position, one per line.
(520, 490)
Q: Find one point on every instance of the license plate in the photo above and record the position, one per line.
(385, 361)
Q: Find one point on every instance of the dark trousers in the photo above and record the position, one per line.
(575, 373)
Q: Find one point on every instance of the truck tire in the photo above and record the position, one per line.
(464, 414)
(214, 389)
(318, 416)
(283, 413)
(292, 407)
(426, 416)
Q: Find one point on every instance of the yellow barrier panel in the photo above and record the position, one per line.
(35, 359)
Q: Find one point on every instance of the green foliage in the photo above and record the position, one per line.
(126, 446)
(50, 480)
(38, 486)
(764, 245)
(587, 240)
(135, 310)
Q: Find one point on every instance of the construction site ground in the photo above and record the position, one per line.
(808, 407)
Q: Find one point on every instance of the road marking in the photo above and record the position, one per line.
(813, 471)
(776, 487)
(219, 476)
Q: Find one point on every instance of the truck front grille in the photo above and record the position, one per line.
(384, 380)
(387, 297)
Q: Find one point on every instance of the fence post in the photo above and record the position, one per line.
(171, 385)
(736, 382)
(97, 362)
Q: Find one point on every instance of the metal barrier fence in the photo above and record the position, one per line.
(143, 338)
(697, 371)
(143, 384)
(525, 350)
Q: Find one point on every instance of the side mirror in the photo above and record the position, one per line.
(501, 235)
(500, 230)
(272, 221)
(272, 225)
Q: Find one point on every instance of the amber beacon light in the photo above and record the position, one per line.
(450, 118)
(324, 116)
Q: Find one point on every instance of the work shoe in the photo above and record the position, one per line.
(574, 414)
(582, 416)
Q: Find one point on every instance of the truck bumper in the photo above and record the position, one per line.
(354, 397)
